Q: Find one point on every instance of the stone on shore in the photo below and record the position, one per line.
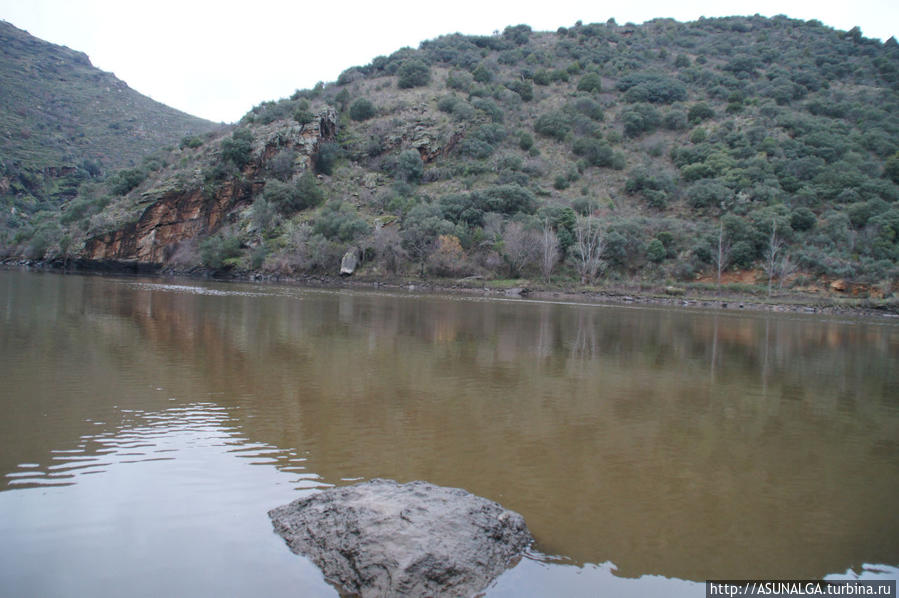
(380, 538)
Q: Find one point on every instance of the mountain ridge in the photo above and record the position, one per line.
(63, 121)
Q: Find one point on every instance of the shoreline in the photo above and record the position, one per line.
(678, 297)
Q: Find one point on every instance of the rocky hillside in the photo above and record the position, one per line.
(743, 149)
(63, 122)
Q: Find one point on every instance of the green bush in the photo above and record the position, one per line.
(409, 166)
(699, 112)
(362, 109)
(215, 250)
(124, 181)
(591, 83)
(708, 193)
(340, 221)
(594, 151)
(553, 124)
(413, 73)
(190, 141)
(652, 88)
(802, 219)
(326, 157)
(237, 148)
(523, 88)
(289, 198)
(656, 252)
(489, 108)
(525, 141)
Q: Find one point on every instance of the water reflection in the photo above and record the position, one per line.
(671, 443)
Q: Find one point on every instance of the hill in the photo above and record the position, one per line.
(742, 148)
(63, 121)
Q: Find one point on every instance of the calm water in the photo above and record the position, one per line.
(148, 425)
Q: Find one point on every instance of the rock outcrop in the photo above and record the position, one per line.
(382, 538)
(178, 213)
(349, 262)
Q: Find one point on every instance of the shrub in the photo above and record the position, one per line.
(522, 88)
(237, 148)
(708, 193)
(191, 141)
(656, 252)
(525, 141)
(891, 168)
(510, 199)
(640, 119)
(675, 120)
(802, 218)
(326, 157)
(281, 165)
(340, 221)
(699, 112)
(362, 109)
(447, 103)
(588, 107)
(482, 74)
(594, 151)
(591, 83)
(303, 116)
(459, 80)
(413, 73)
(648, 87)
(489, 108)
(124, 181)
(409, 166)
(217, 249)
(553, 124)
(584, 205)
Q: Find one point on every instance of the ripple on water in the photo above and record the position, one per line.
(145, 437)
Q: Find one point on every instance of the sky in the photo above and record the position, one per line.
(218, 58)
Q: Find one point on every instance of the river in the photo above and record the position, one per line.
(149, 424)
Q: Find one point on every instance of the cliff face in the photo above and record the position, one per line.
(171, 219)
(181, 214)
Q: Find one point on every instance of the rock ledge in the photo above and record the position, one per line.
(382, 538)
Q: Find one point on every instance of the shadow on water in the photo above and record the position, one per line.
(671, 443)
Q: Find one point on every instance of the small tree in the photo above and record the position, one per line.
(589, 243)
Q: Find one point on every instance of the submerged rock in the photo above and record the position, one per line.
(383, 538)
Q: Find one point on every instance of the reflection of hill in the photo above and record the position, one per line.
(685, 445)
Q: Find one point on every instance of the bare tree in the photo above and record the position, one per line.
(388, 246)
(722, 257)
(521, 248)
(588, 245)
(774, 246)
(786, 267)
(550, 246)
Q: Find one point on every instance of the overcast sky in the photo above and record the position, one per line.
(217, 59)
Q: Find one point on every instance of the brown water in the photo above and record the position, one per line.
(148, 425)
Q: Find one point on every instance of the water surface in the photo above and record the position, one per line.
(149, 424)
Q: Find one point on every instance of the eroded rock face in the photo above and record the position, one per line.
(382, 538)
(175, 214)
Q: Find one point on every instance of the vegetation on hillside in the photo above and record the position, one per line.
(64, 122)
(662, 152)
